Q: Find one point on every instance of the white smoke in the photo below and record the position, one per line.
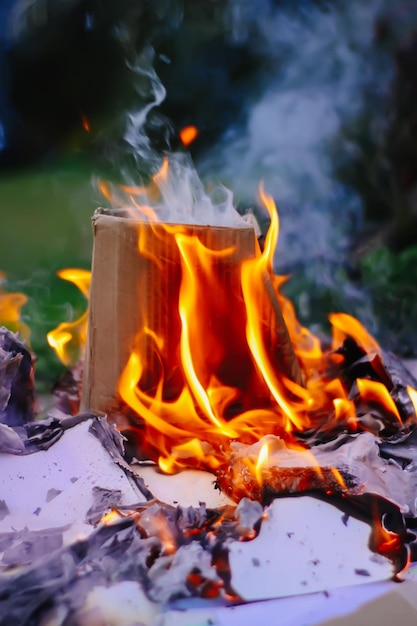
(318, 62)
(150, 91)
(184, 199)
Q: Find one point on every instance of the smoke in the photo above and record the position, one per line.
(151, 91)
(317, 63)
(183, 197)
(185, 200)
(318, 72)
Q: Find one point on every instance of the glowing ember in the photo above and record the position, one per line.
(69, 338)
(85, 123)
(188, 134)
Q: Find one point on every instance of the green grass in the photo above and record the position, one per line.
(46, 226)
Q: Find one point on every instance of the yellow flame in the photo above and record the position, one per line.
(261, 461)
(375, 392)
(338, 477)
(110, 517)
(253, 276)
(188, 291)
(412, 394)
(194, 404)
(10, 310)
(69, 338)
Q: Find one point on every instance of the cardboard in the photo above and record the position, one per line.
(136, 278)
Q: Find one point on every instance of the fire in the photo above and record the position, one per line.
(212, 378)
(388, 543)
(261, 461)
(10, 310)
(188, 134)
(344, 325)
(253, 276)
(372, 391)
(110, 517)
(69, 338)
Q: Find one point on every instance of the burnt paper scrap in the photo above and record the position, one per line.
(103, 500)
(68, 469)
(17, 394)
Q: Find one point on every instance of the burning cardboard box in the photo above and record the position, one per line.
(144, 276)
(188, 351)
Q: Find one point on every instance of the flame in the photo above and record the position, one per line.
(253, 272)
(110, 517)
(69, 338)
(10, 310)
(188, 134)
(412, 393)
(386, 542)
(261, 461)
(195, 425)
(372, 391)
(345, 325)
(210, 379)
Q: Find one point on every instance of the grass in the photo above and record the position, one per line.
(46, 226)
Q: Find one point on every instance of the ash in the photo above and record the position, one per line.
(152, 553)
(173, 552)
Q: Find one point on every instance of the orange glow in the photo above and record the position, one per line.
(188, 134)
(85, 123)
(69, 338)
(10, 310)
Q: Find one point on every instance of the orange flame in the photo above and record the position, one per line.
(191, 403)
(10, 310)
(253, 272)
(388, 543)
(347, 326)
(375, 392)
(194, 425)
(110, 517)
(188, 134)
(69, 338)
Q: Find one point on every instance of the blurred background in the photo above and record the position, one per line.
(317, 97)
